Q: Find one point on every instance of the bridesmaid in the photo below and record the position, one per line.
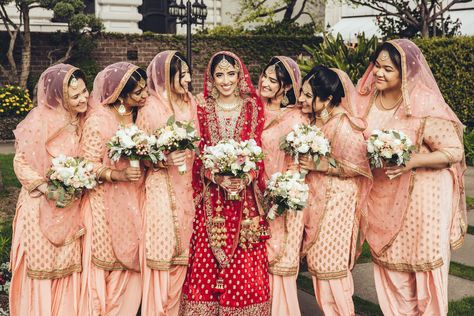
(279, 89)
(415, 218)
(46, 249)
(338, 194)
(168, 208)
(111, 278)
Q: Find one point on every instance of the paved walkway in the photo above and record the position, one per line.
(7, 148)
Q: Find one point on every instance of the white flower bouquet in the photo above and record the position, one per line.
(232, 158)
(389, 148)
(306, 140)
(177, 135)
(134, 144)
(286, 191)
(69, 177)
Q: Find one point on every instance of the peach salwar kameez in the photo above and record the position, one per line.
(46, 249)
(111, 283)
(335, 216)
(287, 230)
(416, 218)
(168, 207)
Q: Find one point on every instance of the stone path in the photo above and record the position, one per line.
(7, 148)
(308, 304)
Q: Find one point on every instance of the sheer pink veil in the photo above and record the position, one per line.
(293, 70)
(109, 83)
(39, 137)
(159, 87)
(122, 199)
(422, 99)
(352, 151)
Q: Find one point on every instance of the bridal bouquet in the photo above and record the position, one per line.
(306, 140)
(69, 177)
(286, 191)
(135, 144)
(388, 147)
(232, 158)
(177, 135)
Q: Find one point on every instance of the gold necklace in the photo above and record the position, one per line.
(228, 107)
(121, 113)
(390, 107)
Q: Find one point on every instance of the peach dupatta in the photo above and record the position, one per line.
(41, 136)
(349, 149)
(422, 99)
(122, 199)
(155, 115)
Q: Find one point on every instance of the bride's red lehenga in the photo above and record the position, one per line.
(228, 277)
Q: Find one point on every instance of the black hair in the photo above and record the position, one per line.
(324, 83)
(284, 79)
(393, 53)
(218, 58)
(78, 74)
(175, 67)
(133, 81)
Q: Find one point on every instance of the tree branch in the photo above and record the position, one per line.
(63, 59)
(446, 8)
(377, 6)
(300, 12)
(272, 12)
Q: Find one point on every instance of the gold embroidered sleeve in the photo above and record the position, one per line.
(29, 178)
(93, 145)
(440, 135)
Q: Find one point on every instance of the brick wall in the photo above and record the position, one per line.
(254, 50)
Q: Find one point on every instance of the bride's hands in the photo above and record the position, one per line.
(231, 184)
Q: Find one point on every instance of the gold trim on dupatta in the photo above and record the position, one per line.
(122, 83)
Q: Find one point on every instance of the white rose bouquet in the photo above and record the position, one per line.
(389, 147)
(232, 158)
(68, 178)
(306, 140)
(177, 135)
(286, 191)
(135, 144)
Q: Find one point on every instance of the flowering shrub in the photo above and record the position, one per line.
(14, 101)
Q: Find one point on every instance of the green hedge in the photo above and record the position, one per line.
(451, 60)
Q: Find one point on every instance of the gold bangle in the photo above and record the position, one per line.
(108, 175)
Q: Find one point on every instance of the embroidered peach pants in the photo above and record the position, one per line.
(412, 293)
(335, 296)
(162, 291)
(284, 295)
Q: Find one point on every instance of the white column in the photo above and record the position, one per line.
(119, 16)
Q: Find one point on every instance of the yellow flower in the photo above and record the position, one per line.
(17, 112)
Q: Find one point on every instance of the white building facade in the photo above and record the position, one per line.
(349, 20)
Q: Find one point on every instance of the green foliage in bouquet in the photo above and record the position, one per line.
(14, 101)
(186, 143)
(65, 195)
(334, 52)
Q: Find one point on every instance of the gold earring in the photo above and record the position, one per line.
(324, 114)
(237, 91)
(214, 93)
(285, 100)
(121, 109)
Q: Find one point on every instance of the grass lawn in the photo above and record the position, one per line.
(6, 167)
(470, 202)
